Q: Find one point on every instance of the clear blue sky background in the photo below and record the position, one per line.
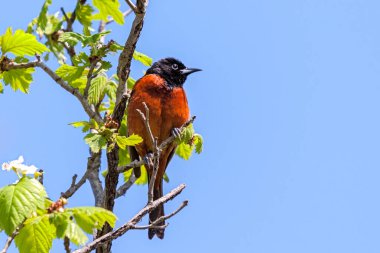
(288, 104)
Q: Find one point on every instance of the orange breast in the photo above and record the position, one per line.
(168, 109)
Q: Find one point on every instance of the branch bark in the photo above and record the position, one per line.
(11, 238)
(131, 223)
(125, 58)
(4, 65)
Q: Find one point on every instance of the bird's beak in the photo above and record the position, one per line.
(188, 71)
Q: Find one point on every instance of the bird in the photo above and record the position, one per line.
(161, 89)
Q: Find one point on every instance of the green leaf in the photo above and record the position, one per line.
(144, 59)
(79, 124)
(93, 39)
(96, 142)
(69, 73)
(18, 201)
(124, 157)
(72, 38)
(131, 83)
(89, 218)
(84, 16)
(142, 180)
(198, 142)
(75, 234)
(36, 236)
(110, 89)
(19, 79)
(1, 88)
(132, 140)
(60, 221)
(42, 19)
(184, 150)
(187, 134)
(166, 178)
(21, 43)
(97, 89)
(109, 8)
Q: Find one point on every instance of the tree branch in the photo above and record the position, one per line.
(74, 186)
(93, 167)
(10, 239)
(123, 68)
(125, 187)
(131, 223)
(6, 65)
(131, 5)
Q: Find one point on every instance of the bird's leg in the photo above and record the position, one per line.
(148, 159)
(176, 132)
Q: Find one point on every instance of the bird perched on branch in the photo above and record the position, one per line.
(161, 88)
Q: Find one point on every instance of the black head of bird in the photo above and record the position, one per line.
(172, 70)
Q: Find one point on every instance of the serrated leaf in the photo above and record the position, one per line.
(93, 39)
(110, 89)
(97, 89)
(187, 134)
(184, 150)
(96, 142)
(72, 38)
(142, 180)
(18, 201)
(36, 236)
(21, 43)
(60, 221)
(89, 218)
(123, 141)
(69, 73)
(198, 142)
(84, 16)
(75, 234)
(19, 79)
(42, 19)
(144, 59)
(109, 8)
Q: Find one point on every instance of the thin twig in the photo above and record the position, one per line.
(86, 106)
(131, 5)
(165, 143)
(145, 118)
(125, 187)
(169, 140)
(74, 186)
(125, 58)
(93, 167)
(131, 223)
(156, 152)
(163, 218)
(10, 239)
(134, 164)
(66, 244)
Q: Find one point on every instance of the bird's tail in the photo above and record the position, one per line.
(156, 214)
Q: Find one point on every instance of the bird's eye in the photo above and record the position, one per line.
(175, 66)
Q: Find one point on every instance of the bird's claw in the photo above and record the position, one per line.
(148, 160)
(176, 132)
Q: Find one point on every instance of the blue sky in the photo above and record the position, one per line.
(288, 106)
